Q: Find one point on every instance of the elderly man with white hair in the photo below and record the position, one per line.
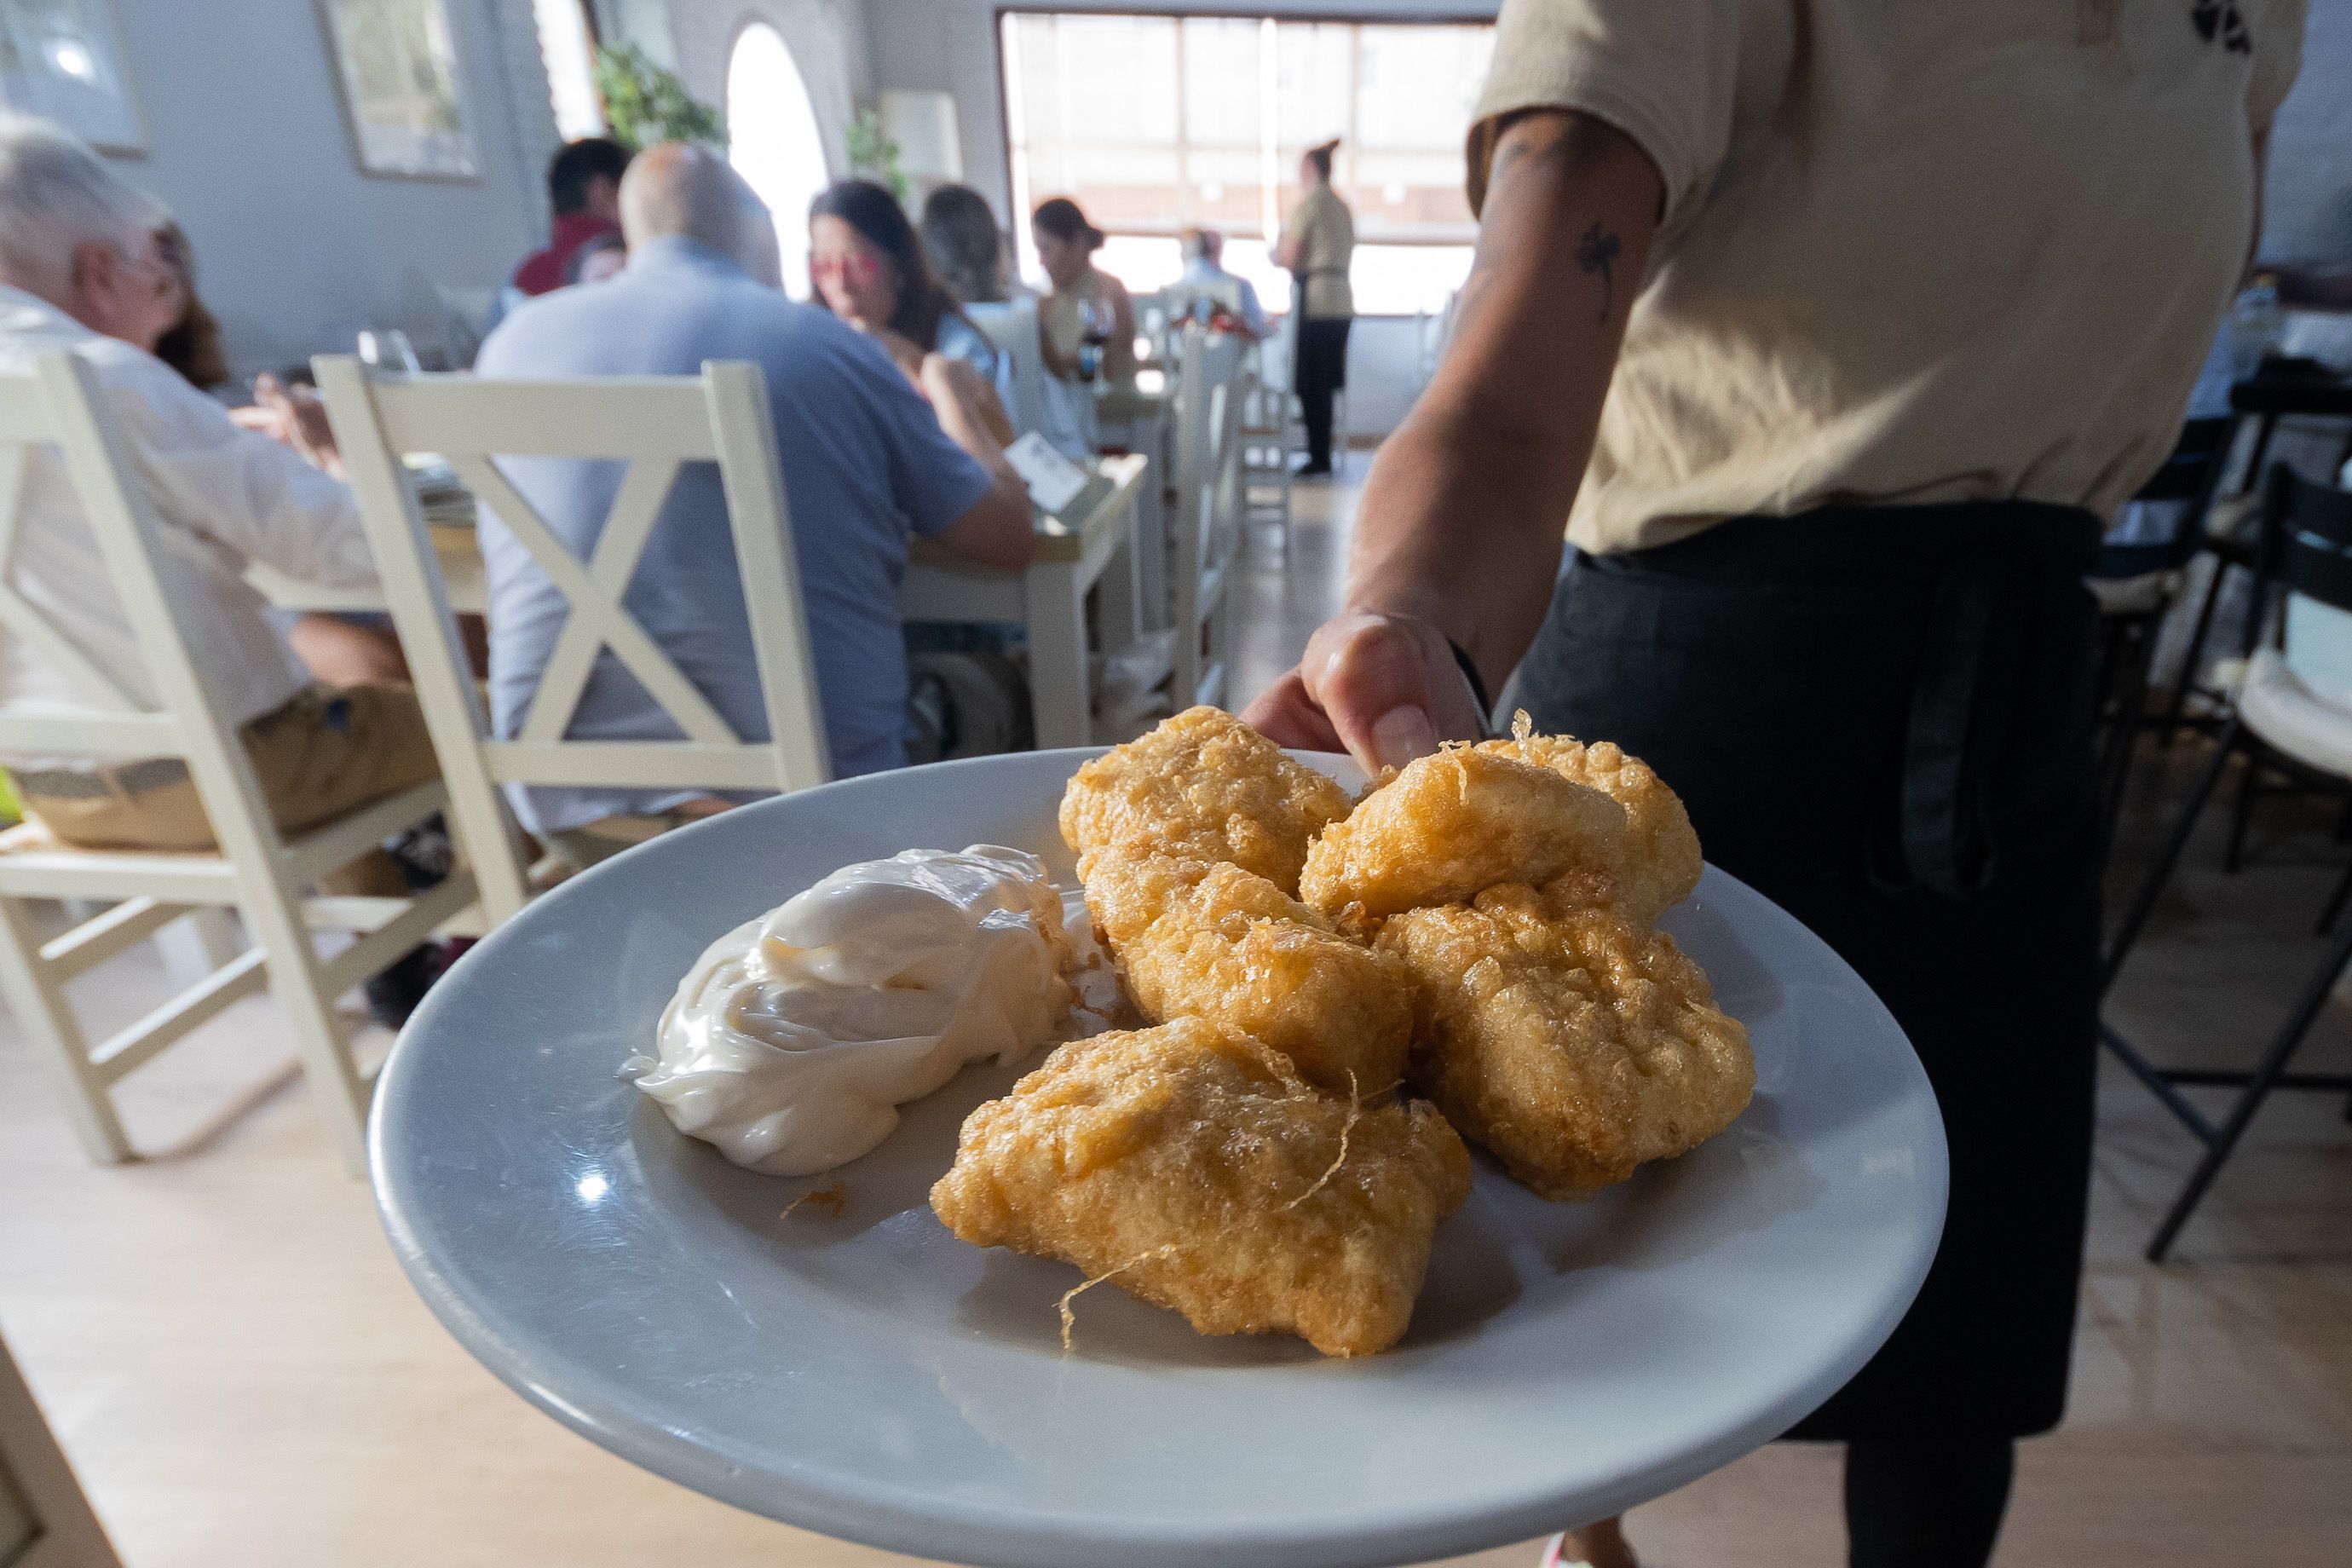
(80, 273)
(869, 462)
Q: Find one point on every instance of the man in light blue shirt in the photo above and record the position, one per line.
(869, 462)
(1204, 254)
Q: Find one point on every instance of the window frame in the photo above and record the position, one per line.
(1424, 18)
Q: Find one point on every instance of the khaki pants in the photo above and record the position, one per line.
(326, 753)
(593, 843)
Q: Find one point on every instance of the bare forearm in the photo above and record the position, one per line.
(963, 404)
(1463, 519)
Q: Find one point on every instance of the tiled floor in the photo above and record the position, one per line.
(244, 1380)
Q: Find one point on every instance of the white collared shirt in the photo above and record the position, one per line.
(226, 496)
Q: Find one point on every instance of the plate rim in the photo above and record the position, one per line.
(902, 1519)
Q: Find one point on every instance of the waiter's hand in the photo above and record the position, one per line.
(1384, 687)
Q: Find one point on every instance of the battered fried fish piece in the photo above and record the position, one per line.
(1575, 1043)
(1450, 825)
(1207, 785)
(1190, 1166)
(1661, 863)
(1205, 940)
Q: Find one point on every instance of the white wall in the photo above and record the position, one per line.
(295, 249)
(828, 42)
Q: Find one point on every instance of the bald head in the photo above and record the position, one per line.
(678, 188)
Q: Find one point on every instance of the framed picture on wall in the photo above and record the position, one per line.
(63, 60)
(397, 69)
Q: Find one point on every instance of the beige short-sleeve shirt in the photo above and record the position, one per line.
(1325, 233)
(1912, 250)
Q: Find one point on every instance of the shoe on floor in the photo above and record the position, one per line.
(394, 995)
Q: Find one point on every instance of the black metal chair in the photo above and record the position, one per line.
(2277, 722)
(2280, 389)
(2138, 584)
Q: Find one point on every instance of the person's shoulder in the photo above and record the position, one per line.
(539, 273)
(821, 348)
(543, 323)
(121, 367)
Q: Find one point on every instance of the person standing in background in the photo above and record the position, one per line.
(584, 183)
(1319, 241)
(965, 246)
(1832, 337)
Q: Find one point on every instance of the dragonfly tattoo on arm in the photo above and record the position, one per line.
(1597, 252)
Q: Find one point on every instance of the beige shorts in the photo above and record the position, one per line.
(593, 843)
(326, 753)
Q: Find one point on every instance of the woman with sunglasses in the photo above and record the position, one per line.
(867, 265)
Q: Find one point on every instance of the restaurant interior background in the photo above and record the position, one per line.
(301, 249)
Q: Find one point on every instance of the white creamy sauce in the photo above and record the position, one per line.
(796, 1037)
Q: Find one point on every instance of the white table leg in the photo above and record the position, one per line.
(1151, 534)
(1120, 614)
(1057, 654)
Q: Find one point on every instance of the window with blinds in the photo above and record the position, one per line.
(1155, 124)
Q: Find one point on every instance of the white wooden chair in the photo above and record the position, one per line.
(1061, 413)
(1210, 386)
(261, 872)
(655, 424)
(1267, 418)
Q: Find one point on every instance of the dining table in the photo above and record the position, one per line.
(1088, 551)
(1086, 555)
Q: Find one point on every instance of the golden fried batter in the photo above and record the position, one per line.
(1191, 1166)
(1205, 940)
(1574, 1044)
(1450, 825)
(1661, 864)
(1207, 785)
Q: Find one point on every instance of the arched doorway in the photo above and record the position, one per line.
(772, 140)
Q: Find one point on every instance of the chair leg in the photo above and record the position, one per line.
(2178, 703)
(2131, 714)
(319, 1041)
(38, 1000)
(2335, 903)
(2258, 1088)
(2242, 814)
(2144, 904)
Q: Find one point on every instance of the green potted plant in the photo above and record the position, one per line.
(645, 102)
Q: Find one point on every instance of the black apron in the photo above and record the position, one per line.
(1880, 718)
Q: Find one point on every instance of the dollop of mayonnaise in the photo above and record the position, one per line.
(796, 1038)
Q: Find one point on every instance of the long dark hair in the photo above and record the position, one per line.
(966, 249)
(193, 345)
(881, 222)
(1066, 221)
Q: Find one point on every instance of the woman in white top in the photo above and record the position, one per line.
(1085, 304)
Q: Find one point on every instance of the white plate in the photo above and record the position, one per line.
(871, 1377)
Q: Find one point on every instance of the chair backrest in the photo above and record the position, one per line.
(2195, 463)
(57, 404)
(1061, 413)
(1210, 383)
(2308, 537)
(654, 425)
